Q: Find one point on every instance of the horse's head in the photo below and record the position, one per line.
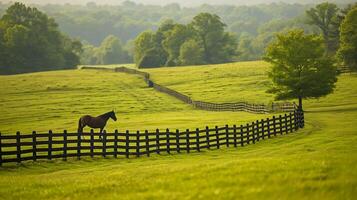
(112, 115)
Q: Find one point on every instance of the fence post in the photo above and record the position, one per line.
(253, 132)
(257, 131)
(137, 143)
(268, 125)
(91, 143)
(65, 145)
(280, 125)
(157, 142)
(104, 146)
(291, 122)
(286, 123)
(0, 150)
(147, 143)
(198, 139)
(168, 141)
(178, 141)
(49, 145)
(187, 140)
(295, 121)
(274, 125)
(217, 137)
(248, 134)
(235, 135)
(115, 143)
(227, 136)
(18, 147)
(207, 137)
(241, 136)
(301, 120)
(79, 146)
(263, 128)
(127, 143)
(34, 149)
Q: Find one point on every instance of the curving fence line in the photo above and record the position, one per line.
(47, 146)
(239, 106)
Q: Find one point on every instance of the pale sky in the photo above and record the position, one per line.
(181, 2)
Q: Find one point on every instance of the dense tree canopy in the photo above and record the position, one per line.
(30, 41)
(111, 51)
(300, 68)
(325, 16)
(214, 45)
(348, 49)
(253, 26)
(191, 53)
(93, 23)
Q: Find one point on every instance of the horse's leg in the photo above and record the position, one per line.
(100, 133)
(82, 136)
(80, 127)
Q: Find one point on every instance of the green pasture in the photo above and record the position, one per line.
(317, 162)
(56, 100)
(233, 82)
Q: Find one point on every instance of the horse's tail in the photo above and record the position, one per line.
(80, 129)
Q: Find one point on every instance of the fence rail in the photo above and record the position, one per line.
(37, 146)
(239, 106)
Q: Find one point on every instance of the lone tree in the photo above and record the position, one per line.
(348, 48)
(299, 68)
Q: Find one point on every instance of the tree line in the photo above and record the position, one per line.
(234, 34)
(110, 51)
(253, 26)
(31, 41)
(202, 41)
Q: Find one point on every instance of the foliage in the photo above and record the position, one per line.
(111, 51)
(348, 49)
(143, 43)
(300, 69)
(151, 58)
(191, 53)
(166, 43)
(93, 23)
(325, 16)
(174, 39)
(31, 41)
(216, 44)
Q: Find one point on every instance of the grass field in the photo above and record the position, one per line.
(233, 82)
(318, 162)
(56, 100)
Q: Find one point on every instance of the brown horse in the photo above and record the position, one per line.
(95, 122)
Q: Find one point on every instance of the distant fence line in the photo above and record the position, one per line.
(38, 146)
(345, 70)
(239, 106)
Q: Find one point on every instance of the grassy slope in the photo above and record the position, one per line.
(319, 162)
(234, 82)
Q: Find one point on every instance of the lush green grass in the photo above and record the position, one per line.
(56, 100)
(233, 82)
(318, 162)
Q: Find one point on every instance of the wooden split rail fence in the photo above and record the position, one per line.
(38, 146)
(239, 106)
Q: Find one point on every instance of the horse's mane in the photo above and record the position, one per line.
(105, 114)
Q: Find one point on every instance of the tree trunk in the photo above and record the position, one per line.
(300, 104)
